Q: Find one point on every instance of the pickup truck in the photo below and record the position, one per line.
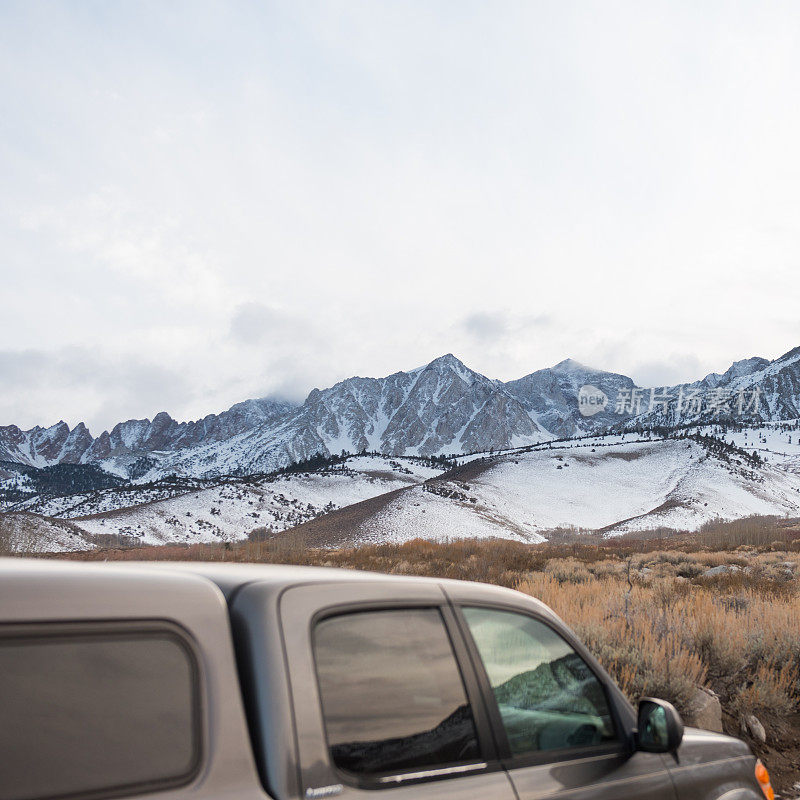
(246, 682)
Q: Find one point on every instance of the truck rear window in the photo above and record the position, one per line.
(392, 694)
(93, 710)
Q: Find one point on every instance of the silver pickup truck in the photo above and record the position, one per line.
(187, 681)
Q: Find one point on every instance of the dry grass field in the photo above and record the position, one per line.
(718, 609)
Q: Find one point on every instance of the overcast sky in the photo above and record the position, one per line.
(204, 202)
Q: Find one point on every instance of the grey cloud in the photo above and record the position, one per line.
(674, 370)
(291, 354)
(21, 367)
(292, 378)
(489, 326)
(484, 325)
(84, 385)
(254, 323)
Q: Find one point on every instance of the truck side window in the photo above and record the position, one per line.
(98, 709)
(548, 697)
(392, 695)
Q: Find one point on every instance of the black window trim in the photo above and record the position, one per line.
(488, 760)
(126, 629)
(510, 761)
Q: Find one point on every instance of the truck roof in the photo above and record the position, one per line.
(229, 577)
(94, 580)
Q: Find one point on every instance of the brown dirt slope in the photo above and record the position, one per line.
(339, 528)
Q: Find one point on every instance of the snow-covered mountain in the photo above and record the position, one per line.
(442, 407)
(42, 447)
(128, 441)
(550, 397)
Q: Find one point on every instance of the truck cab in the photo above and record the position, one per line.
(202, 680)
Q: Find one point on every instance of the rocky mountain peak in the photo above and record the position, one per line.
(449, 365)
(447, 361)
(571, 365)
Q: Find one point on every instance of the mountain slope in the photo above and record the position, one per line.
(21, 532)
(609, 484)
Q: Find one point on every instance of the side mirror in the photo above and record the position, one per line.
(659, 728)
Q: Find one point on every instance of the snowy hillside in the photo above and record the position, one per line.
(80, 504)
(226, 511)
(777, 443)
(21, 532)
(608, 484)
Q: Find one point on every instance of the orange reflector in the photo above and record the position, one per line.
(762, 776)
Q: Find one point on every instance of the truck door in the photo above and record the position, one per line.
(383, 703)
(558, 731)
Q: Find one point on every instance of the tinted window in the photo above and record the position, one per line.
(548, 697)
(392, 695)
(86, 713)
